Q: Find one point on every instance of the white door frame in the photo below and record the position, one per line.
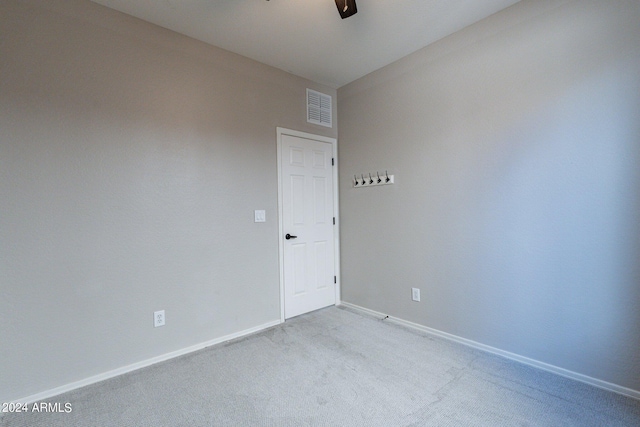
(336, 228)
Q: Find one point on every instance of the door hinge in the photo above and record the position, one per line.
(333, 163)
(335, 279)
(334, 220)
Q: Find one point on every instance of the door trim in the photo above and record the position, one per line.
(336, 229)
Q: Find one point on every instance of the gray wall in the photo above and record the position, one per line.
(131, 160)
(516, 149)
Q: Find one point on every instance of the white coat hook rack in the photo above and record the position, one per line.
(372, 179)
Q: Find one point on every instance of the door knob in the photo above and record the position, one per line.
(289, 236)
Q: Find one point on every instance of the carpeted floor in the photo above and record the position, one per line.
(336, 367)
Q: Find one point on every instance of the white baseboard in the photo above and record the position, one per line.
(143, 364)
(527, 361)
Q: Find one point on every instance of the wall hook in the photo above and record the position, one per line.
(373, 179)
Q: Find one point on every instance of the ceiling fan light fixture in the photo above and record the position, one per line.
(346, 8)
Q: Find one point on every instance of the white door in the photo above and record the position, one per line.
(307, 203)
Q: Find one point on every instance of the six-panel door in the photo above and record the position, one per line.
(307, 211)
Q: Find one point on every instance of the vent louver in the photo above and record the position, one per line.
(319, 108)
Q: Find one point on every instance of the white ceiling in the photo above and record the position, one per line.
(307, 37)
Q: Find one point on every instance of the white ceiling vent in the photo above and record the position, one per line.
(318, 108)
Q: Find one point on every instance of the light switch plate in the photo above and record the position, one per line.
(260, 216)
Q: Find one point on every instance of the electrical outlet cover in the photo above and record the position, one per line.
(415, 294)
(158, 318)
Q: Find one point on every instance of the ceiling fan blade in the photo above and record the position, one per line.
(346, 8)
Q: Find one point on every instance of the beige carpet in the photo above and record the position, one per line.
(336, 367)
